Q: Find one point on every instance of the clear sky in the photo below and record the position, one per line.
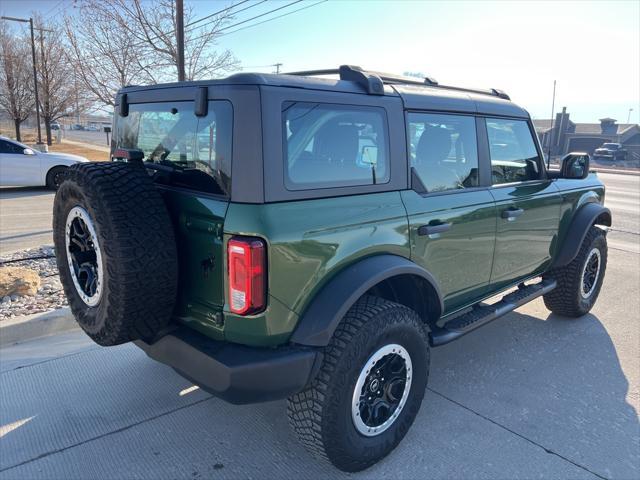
(592, 48)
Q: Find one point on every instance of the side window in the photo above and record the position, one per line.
(329, 145)
(8, 147)
(514, 157)
(444, 150)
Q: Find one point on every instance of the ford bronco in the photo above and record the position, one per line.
(311, 236)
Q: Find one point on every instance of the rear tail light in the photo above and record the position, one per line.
(247, 275)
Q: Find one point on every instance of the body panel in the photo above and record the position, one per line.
(460, 259)
(309, 242)
(524, 245)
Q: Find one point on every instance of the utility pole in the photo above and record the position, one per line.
(277, 65)
(553, 106)
(180, 38)
(35, 74)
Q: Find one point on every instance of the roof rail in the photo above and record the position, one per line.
(373, 81)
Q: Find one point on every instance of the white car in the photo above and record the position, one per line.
(21, 166)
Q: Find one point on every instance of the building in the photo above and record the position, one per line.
(567, 136)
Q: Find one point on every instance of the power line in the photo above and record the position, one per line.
(275, 18)
(252, 18)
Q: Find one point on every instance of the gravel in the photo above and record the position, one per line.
(50, 296)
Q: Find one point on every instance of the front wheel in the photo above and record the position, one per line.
(369, 388)
(580, 281)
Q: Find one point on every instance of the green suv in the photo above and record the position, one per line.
(311, 238)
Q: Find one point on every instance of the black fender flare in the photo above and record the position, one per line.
(321, 318)
(588, 215)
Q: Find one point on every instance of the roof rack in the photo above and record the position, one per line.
(373, 82)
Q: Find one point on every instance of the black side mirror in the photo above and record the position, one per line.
(575, 165)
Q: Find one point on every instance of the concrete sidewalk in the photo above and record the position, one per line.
(530, 395)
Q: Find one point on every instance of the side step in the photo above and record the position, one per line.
(483, 314)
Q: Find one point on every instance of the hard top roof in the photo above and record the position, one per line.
(415, 94)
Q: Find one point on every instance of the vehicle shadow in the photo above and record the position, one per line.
(21, 192)
(558, 382)
(522, 397)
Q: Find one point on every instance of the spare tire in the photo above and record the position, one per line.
(116, 251)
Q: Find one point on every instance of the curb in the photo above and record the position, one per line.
(28, 327)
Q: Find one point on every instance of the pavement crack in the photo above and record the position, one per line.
(547, 450)
(106, 434)
(29, 365)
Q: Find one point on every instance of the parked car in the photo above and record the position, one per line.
(610, 151)
(55, 126)
(22, 166)
(77, 126)
(275, 236)
(92, 128)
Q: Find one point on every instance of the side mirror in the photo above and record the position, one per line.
(575, 166)
(28, 151)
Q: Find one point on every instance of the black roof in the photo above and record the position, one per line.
(415, 93)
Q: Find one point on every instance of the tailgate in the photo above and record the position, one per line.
(198, 223)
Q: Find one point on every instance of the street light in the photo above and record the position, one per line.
(629, 115)
(35, 75)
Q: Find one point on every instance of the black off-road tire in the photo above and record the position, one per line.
(55, 177)
(136, 239)
(321, 414)
(566, 298)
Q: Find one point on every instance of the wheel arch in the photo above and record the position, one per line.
(51, 169)
(584, 218)
(391, 277)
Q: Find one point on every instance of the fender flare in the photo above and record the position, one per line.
(321, 318)
(587, 216)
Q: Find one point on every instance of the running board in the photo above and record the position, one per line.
(483, 314)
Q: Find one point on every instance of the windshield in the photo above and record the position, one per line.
(610, 146)
(196, 151)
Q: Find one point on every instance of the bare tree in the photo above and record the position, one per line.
(56, 77)
(152, 27)
(16, 80)
(104, 59)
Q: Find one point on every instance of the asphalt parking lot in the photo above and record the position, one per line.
(531, 395)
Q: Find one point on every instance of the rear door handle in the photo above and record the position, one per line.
(433, 229)
(512, 213)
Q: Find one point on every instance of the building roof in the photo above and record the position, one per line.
(544, 125)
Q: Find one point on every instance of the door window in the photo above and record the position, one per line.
(514, 157)
(329, 145)
(444, 150)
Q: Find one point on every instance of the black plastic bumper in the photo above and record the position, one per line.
(235, 373)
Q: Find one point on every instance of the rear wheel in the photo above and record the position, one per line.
(55, 177)
(580, 281)
(369, 388)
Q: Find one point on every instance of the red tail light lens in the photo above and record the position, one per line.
(247, 275)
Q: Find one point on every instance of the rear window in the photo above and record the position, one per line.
(188, 151)
(328, 145)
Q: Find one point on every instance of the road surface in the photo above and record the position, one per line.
(530, 395)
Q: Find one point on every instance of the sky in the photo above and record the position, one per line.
(591, 48)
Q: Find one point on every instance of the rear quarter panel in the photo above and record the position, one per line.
(308, 243)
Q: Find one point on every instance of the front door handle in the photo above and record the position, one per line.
(512, 213)
(433, 229)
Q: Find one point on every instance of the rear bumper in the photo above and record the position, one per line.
(235, 373)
